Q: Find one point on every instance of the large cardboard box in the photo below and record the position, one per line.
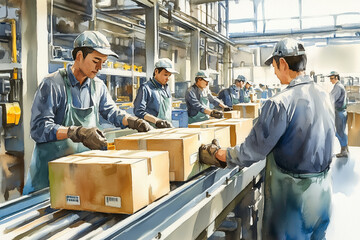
(99, 184)
(248, 110)
(222, 134)
(182, 148)
(158, 167)
(239, 129)
(205, 135)
(232, 114)
(353, 128)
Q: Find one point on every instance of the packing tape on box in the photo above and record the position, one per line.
(142, 144)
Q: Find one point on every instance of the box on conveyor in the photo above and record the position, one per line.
(158, 166)
(239, 129)
(232, 114)
(248, 110)
(182, 148)
(99, 184)
(353, 122)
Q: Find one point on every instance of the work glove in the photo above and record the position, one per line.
(92, 138)
(163, 124)
(216, 114)
(227, 109)
(207, 154)
(139, 124)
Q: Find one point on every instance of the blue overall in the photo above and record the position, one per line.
(38, 174)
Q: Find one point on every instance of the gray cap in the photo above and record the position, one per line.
(240, 78)
(285, 48)
(165, 63)
(333, 73)
(204, 75)
(248, 82)
(95, 40)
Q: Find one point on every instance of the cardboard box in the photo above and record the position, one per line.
(205, 135)
(222, 134)
(248, 110)
(158, 166)
(182, 148)
(353, 128)
(239, 129)
(232, 114)
(99, 184)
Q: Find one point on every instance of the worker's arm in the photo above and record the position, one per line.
(141, 101)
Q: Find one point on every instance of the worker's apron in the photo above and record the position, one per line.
(165, 106)
(297, 206)
(199, 117)
(235, 99)
(247, 96)
(38, 174)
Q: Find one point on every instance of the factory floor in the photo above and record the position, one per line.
(345, 173)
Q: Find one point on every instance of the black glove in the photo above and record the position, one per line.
(216, 114)
(139, 124)
(163, 124)
(226, 109)
(207, 154)
(92, 138)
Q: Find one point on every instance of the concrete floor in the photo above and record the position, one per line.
(345, 174)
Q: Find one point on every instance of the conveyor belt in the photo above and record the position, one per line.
(186, 211)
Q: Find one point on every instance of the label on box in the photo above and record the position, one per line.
(72, 200)
(193, 158)
(112, 201)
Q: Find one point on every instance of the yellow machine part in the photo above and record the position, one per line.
(13, 113)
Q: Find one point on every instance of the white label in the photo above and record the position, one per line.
(112, 201)
(72, 200)
(193, 158)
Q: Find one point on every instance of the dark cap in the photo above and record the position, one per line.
(285, 48)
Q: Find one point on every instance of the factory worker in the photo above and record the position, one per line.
(153, 100)
(235, 93)
(295, 133)
(198, 98)
(338, 96)
(67, 106)
(248, 92)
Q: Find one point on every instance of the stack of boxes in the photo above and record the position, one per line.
(139, 170)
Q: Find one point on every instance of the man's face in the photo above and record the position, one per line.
(91, 65)
(279, 72)
(239, 84)
(162, 77)
(333, 79)
(202, 84)
(247, 85)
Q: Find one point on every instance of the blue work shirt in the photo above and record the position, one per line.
(338, 96)
(49, 106)
(296, 125)
(192, 98)
(148, 100)
(228, 94)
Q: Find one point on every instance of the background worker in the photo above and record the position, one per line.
(338, 96)
(66, 108)
(295, 132)
(248, 92)
(198, 98)
(153, 99)
(235, 93)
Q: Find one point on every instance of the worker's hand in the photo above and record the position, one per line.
(92, 138)
(207, 154)
(163, 124)
(139, 124)
(227, 109)
(216, 114)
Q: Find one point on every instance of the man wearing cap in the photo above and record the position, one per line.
(295, 133)
(153, 100)
(235, 93)
(248, 92)
(66, 108)
(198, 98)
(338, 96)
